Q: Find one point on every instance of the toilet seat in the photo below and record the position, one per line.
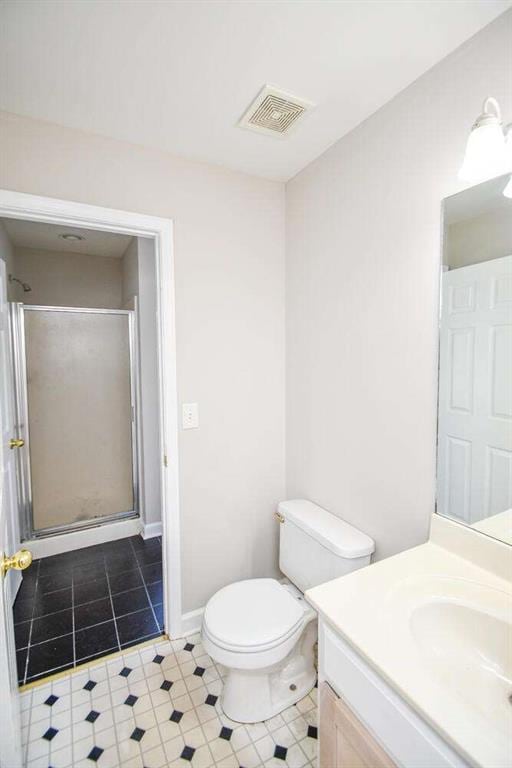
(252, 616)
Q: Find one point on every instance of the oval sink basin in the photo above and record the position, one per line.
(463, 631)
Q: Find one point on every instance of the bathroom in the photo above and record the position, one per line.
(297, 336)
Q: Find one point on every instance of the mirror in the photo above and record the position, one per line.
(474, 441)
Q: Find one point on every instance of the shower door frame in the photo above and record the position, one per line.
(19, 205)
(21, 409)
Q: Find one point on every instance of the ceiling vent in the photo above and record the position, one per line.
(274, 112)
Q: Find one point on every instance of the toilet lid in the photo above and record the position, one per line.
(251, 614)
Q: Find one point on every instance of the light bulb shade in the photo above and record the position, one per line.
(508, 189)
(486, 153)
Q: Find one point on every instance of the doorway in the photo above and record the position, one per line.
(157, 234)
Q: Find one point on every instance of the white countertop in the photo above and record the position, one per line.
(371, 610)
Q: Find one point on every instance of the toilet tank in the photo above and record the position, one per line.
(316, 546)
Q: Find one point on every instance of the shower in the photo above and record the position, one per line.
(26, 287)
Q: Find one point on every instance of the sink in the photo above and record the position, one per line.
(462, 634)
(468, 648)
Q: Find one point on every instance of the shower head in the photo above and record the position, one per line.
(26, 287)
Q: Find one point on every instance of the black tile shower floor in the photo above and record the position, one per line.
(81, 605)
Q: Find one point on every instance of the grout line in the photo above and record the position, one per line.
(31, 625)
(29, 725)
(91, 626)
(73, 619)
(98, 578)
(147, 593)
(112, 607)
(25, 679)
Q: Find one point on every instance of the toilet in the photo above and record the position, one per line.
(264, 631)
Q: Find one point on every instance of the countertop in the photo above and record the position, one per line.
(371, 610)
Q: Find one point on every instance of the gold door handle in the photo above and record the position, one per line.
(19, 561)
(14, 443)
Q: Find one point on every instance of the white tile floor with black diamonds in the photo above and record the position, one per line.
(153, 707)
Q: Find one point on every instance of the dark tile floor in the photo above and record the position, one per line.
(77, 606)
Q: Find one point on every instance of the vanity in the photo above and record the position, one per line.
(415, 651)
(421, 679)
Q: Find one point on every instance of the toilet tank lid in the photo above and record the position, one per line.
(332, 532)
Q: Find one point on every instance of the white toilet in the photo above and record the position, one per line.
(264, 632)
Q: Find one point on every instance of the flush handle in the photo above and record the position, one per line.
(278, 516)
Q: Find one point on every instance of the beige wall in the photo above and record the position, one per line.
(481, 238)
(69, 279)
(7, 255)
(130, 271)
(363, 252)
(229, 241)
(139, 286)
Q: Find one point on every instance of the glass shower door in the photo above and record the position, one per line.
(77, 416)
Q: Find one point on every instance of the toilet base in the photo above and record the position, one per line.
(253, 695)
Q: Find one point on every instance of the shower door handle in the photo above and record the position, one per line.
(14, 443)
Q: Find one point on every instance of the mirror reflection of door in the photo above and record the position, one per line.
(475, 361)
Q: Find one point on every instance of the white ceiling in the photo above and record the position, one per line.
(45, 237)
(177, 76)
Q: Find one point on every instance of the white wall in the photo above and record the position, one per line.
(6, 253)
(481, 238)
(140, 292)
(363, 252)
(62, 279)
(229, 241)
(130, 270)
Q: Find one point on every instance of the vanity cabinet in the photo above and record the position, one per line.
(364, 723)
(344, 741)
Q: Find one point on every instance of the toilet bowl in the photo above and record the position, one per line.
(264, 633)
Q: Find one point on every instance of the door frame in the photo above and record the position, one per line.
(18, 205)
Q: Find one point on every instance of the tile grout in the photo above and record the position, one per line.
(300, 746)
(137, 568)
(145, 587)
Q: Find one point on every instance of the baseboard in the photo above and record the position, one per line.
(150, 530)
(67, 542)
(191, 622)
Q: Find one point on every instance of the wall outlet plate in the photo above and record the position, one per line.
(190, 416)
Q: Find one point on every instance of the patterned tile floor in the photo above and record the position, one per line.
(157, 706)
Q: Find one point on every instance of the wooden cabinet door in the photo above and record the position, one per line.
(344, 741)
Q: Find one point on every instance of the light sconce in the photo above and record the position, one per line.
(489, 147)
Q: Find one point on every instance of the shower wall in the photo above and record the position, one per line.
(68, 279)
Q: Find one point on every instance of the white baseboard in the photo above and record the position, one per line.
(191, 622)
(150, 530)
(67, 542)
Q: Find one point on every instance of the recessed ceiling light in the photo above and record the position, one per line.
(73, 238)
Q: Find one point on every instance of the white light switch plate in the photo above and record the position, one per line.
(190, 416)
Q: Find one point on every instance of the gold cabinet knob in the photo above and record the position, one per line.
(19, 561)
(14, 443)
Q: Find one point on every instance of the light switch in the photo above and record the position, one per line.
(190, 415)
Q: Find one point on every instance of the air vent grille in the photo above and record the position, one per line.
(274, 112)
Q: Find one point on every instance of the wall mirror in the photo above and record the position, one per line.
(474, 441)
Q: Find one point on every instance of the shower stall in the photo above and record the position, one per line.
(76, 411)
